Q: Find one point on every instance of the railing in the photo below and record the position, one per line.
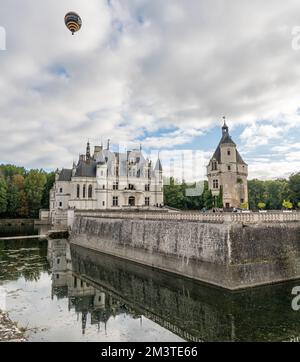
(218, 218)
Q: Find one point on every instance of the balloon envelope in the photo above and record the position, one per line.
(73, 22)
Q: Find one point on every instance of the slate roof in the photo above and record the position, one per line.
(86, 169)
(226, 139)
(65, 175)
(135, 158)
(158, 166)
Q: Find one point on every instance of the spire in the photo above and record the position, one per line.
(108, 143)
(88, 151)
(225, 129)
(158, 166)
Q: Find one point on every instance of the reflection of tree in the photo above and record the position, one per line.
(23, 258)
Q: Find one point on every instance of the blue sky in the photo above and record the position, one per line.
(158, 73)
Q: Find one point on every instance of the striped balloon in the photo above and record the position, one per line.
(73, 22)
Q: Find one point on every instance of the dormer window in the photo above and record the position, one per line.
(228, 152)
(214, 166)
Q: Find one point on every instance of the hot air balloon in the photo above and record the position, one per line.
(73, 22)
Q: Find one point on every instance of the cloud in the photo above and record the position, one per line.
(137, 68)
(260, 134)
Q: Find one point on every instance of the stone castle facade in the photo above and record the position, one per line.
(227, 173)
(108, 180)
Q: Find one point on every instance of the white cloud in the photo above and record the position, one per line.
(260, 134)
(138, 66)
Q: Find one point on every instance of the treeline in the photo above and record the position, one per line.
(270, 195)
(23, 192)
(275, 194)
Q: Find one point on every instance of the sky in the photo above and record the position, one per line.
(157, 73)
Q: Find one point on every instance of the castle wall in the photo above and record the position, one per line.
(226, 254)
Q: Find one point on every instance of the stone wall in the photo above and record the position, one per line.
(14, 227)
(230, 255)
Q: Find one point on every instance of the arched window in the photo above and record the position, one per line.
(131, 201)
(78, 191)
(84, 191)
(90, 192)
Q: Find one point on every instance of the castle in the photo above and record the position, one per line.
(108, 180)
(227, 173)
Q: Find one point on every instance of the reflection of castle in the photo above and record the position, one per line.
(83, 297)
(100, 287)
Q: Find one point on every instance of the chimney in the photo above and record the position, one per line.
(97, 150)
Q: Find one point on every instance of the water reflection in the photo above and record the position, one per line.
(72, 293)
(23, 259)
(104, 286)
(84, 298)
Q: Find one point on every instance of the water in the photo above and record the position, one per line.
(66, 293)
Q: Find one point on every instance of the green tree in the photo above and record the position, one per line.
(3, 195)
(294, 188)
(34, 188)
(50, 179)
(287, 204)
(298, 204)
(219, 199)
(8, 171)
(23, 209)
(261, 205)
(245, 206)
(12, 200)
(173, 195)
(256, 190)
(208, 199)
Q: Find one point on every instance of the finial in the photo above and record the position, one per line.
(225, 127)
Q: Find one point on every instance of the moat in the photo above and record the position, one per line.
(60, 292)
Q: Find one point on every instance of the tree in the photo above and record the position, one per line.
(256, 193)
(208, 199)
(287, 204)
(294, 188)
(34, 187)
(173, 195)
(18, 181)
(8, 171)
(12, 200)
(50, 179)
(219, 200)
(22, 210)
(245, 206)
(261, 205)
(3, 196)
(298, 204)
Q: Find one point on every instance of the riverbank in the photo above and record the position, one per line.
(9, 332)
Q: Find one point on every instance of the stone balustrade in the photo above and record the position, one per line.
(209, 217)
